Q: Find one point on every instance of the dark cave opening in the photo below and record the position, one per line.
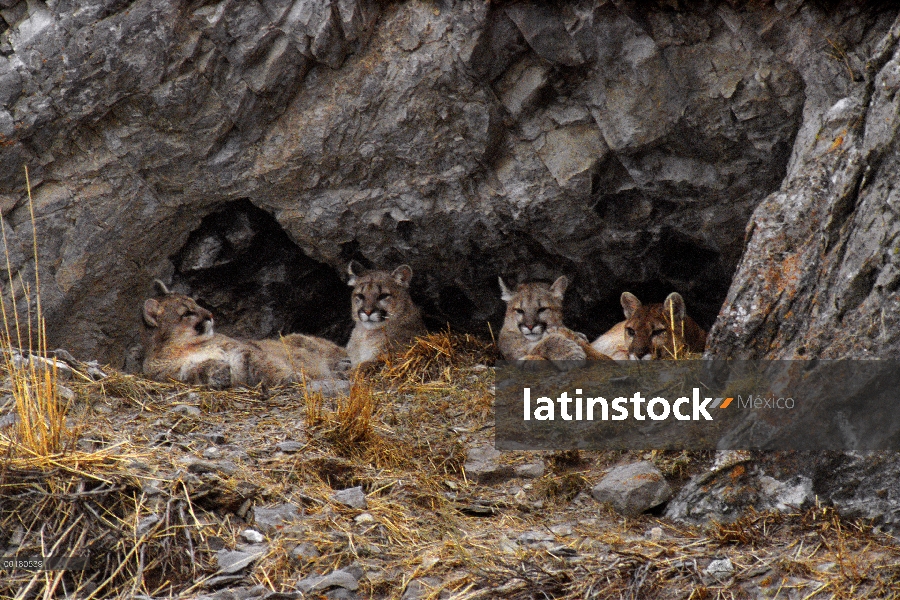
(244, 267)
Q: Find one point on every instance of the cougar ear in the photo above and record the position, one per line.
(152, 310)
(402, 275)
(676, 302)
(559, 287)
(505, 293)
(161, 287)
(630, 303)
(355, 270)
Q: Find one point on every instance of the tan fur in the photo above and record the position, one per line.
(181, 345)
(383, 312)
(533, 327)
(646, 333)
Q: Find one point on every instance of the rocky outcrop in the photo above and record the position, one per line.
(624, 144)
(821, 273)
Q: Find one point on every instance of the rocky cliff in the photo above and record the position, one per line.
(246, 150)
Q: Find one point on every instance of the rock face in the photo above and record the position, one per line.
(245, 151)
(821, 273)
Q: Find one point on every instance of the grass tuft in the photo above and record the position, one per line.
(41, 429)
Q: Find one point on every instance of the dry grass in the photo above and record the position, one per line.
(153, 524)
(41, 431)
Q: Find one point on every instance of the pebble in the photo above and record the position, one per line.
(252, 536)
(353, 497)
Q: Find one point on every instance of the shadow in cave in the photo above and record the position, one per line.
(244, 267)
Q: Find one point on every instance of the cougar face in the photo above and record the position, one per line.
(178, 319)
(649, 331)
(534, 307)
(379, 296)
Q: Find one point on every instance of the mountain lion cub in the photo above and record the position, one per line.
(181, 345)
(383, 311)
(533, 328)
(646, 332)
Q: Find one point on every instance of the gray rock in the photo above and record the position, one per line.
(235, 561)
(289, 446)
(531, 470)
(273, 519)
(345, 578)
(305, 551)
(420, 588)
(633, 488)
(185, 409)
(727, 491)
(543, 28)
(252, 536)
(222, 148)
(483, 465)
(720, 569)
(353, 497)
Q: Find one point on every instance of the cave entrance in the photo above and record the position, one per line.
(240, 264)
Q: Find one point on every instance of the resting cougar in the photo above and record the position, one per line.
(533, 328)
(181, 345)
(646, 332)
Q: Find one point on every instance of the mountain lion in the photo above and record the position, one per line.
(181, 345)
(383, 310)
(646, 332)
(533, 328)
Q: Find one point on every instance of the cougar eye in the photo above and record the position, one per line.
(519, 311)
(383, 297)
(543, 309)
(360, 297)
(188, 314)
(657, 332)
(629, 331)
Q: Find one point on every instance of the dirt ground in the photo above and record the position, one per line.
(160, 479)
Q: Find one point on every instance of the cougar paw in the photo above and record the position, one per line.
(215, 375)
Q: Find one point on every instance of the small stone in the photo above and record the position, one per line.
(65, 393)
(234, 561)
(103, 409)
(305, 551)
(632, 489)
(200, 466)
(720, 569)
(531, 470)
(353, 497)
(252, 536)
(533, 538)
(185, 409)
(420, 588)
(290, 447)
(340, 578)
(212, 453)
(655, 534)
(483, 465)
(563, 529)
(364, 519)
(271, 520)
(216, 437)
